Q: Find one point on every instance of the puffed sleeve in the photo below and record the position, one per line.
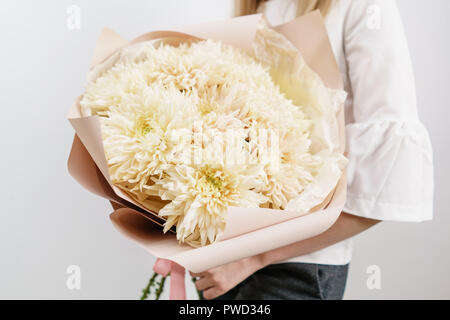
(390, 171)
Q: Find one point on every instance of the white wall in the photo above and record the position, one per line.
(48, 222)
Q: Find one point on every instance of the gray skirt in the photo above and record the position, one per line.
(292, 281)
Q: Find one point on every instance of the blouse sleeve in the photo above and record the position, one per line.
(390, 171)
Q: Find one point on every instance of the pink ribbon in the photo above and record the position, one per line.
(177, 286)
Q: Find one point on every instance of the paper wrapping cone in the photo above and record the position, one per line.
(248, 231)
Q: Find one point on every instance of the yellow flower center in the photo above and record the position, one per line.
(215, 183)
(205, 108)
(210, 183)
(142, 127)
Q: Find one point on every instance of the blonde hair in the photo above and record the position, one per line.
(245, 7)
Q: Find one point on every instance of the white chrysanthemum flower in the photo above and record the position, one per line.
(200, 198)
(138, 136)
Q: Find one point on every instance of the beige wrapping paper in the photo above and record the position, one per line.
(248, 231)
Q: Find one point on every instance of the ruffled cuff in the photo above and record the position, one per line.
(390, 171)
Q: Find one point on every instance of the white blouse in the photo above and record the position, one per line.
(390, 170)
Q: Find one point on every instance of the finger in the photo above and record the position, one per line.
(212, 293)
(204, 283)
(195, 274)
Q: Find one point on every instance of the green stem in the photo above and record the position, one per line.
(161, 287)
(146, 291)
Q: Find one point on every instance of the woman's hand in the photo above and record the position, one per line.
(220, 280)
(217, 281)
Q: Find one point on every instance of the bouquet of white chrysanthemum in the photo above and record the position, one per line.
(205, 126)
(228, 138)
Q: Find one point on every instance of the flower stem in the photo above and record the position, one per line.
(160, 288)
(146, 291)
